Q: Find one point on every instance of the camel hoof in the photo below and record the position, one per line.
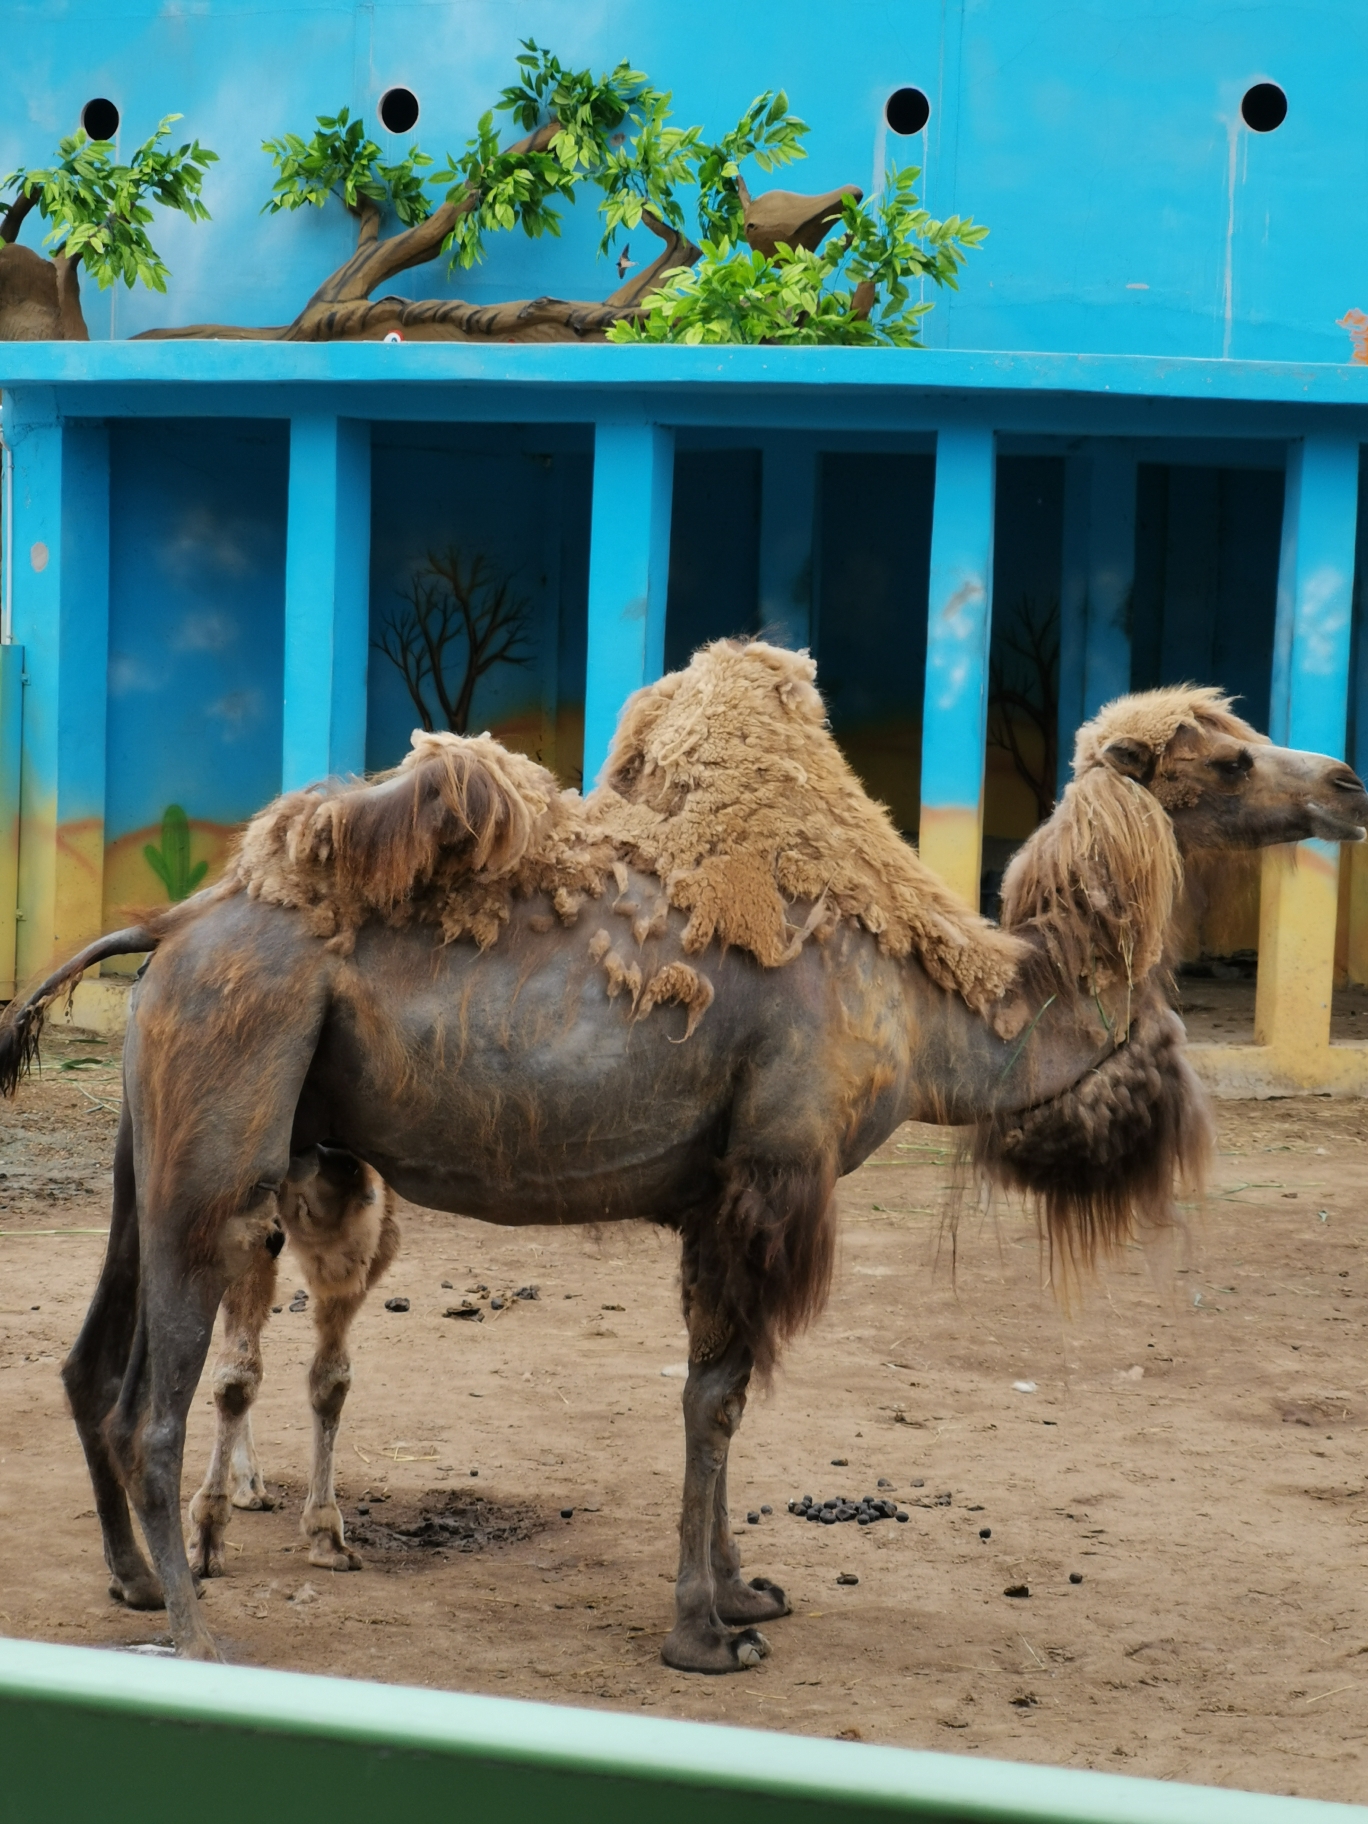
(200, 1647)
(329, 1557)
(141, 1591)
(742, 1604)
(714, 1649)
(206, 1560)
(253, 1500)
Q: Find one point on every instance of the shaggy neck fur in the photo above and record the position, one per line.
(1096, 888)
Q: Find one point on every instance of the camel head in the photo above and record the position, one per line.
(1223, 785)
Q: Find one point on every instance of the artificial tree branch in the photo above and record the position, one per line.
(679, 250)
(15, 215)
(69, 297)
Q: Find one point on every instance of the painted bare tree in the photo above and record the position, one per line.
(1023, 699)
(458, 622)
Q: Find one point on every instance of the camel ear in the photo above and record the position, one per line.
(1131, 758)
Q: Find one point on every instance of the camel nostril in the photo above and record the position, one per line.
(1348, 781)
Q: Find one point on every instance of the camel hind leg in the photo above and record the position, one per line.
(233, 1478)
(339, 1216)
(93, 1373)
(222, 1032)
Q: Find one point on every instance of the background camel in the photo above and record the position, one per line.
(774, 986)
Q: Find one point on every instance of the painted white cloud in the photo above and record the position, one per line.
(237, 712)
(204, 631)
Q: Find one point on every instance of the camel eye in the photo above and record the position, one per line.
(1235, 766)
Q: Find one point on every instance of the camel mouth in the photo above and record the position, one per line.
(1334, 826)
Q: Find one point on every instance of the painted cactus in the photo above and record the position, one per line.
(171, 862)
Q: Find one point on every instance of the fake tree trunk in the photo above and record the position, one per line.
(342, 309)
(40, 299)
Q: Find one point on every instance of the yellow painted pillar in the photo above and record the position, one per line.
(1297, 911)
(1354, 860)
(61, 620)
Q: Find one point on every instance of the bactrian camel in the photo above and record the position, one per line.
(698, 997)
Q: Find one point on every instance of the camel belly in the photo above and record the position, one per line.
(525, 1094)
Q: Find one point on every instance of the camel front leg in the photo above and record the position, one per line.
(329, 1382)
(233, 1478)
(701, 1641)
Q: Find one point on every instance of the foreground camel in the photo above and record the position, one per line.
(698, 998)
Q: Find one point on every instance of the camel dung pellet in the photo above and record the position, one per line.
(863, 1519)
(446, 1285)
(903, 1515)
(846, 1577)
(884, 1482)
(396, 1304)
(1017, 1589)
(813, 1513)
(362, 1507)
(474, 1472)
(985, 1532)
(496, 1304)
(276, 1310)
(752, 1518)
(828, 1518)
(528, 1292)
(766, 1510)
(839, 1462)
(1075, 1576)
(567, 1513)
(919, 1483)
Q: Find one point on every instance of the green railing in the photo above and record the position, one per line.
(110, 1737)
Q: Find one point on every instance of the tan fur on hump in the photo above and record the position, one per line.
(725, 781)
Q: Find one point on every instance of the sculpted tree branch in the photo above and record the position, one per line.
(98, 210)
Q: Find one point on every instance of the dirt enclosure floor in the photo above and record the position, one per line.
(1193, 1453)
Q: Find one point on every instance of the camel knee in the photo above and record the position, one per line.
(329, 1385)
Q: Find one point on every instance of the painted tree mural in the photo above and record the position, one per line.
(457, 623)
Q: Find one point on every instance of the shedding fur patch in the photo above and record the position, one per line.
(679, 984)
(724, 782)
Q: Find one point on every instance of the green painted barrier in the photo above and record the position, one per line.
(112, 1737)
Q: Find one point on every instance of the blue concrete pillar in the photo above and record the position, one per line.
(1098, 575)
(1309, 704)
(327, 599)
(788, 507)
(959, 624)
(1309, 707)
(60, 617)
(629, 571)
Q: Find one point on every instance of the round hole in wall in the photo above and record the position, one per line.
(399, 110)
(100, 118)
(907, 111)
(1264, 107)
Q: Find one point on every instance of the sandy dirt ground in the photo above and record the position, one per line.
(1189, 1445)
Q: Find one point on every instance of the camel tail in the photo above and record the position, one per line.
(1101, 1162)
(21, 1025)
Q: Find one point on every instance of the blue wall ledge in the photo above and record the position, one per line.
(831, 389)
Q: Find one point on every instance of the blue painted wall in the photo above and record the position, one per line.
(197, 558)
(1130, 208)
